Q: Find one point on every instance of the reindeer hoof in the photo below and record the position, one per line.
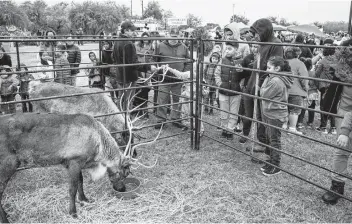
(85, 201)
(74, 215)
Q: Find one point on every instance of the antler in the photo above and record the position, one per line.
(130, 122)
(165, 70)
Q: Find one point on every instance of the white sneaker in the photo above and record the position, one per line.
(294, 130)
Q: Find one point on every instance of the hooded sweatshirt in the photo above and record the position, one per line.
(124, 52)
(209, 70)
(179, 50)
(266, 32)
(275, 88)
(243, 49)
(300, 86)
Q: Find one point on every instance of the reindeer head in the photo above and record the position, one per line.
(127, 158)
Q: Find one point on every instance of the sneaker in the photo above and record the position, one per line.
(266, 166)
(323, 130)
(237, 129)
(243, 140)
(333, 131)
(284, 126)
(310, 125)
(271, 171)
(229, 136)
(294, 130)
(224, 134)
(300, 126)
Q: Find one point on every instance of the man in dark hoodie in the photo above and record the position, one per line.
(124, 52)
(171, 48)
(73, 57)
(262, 31)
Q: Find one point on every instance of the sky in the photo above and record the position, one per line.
(220, 11)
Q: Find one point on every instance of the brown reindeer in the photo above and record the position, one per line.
(75, 141)
(95, 104)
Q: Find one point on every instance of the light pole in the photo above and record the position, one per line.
(131, 9)
(233, 12)
(349, 20)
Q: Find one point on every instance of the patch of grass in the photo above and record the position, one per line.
(214, 184)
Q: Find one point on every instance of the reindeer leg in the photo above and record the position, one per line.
(81, 196)
(8, 167)
(74, 171)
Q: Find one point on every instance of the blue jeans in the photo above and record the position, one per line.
(163, 98)
(273, 138)
(340, 159)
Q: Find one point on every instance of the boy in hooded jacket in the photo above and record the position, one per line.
(209, 75)
(229, 79)
(275, 87)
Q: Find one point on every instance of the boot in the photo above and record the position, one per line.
(331, 198)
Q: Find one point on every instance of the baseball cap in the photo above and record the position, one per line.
(174, 32)
(128, 25)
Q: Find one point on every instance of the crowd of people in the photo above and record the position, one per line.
(228, 84)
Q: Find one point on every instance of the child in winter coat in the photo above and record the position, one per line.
(25, 78)
(95, 80)
(186, 93)
(229, 79)
(275, 87)
(61, 62)
(8, 89)
(209, 75)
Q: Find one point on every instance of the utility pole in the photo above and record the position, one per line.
(349, 21)
(233, 12)
(142, 7)
(131, 9)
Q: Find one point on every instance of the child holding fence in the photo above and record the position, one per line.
(186, 93)
(25, 78)
(61, 62)
(229, 79)
(275, 87)
(209, 75)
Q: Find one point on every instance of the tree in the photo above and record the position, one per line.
(239, 19)
(93, 17)
(153, 10)
(318, 24)
(12, 15)
(166, 14)
(211, 25)
(123, 11)
(36, 13)
(57, 18)
(194, 21)
(273, 19)
(295, 23)
(335, 26)
(284, 22)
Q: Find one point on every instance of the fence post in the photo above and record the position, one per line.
(191, 93)
(255, 124)
(102, 77)
(198, 92)
(18, 56)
